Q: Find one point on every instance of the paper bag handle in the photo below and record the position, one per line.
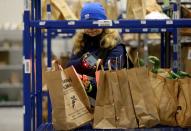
(56, 65)
(109, 64)
(136, 62)
(99, 63)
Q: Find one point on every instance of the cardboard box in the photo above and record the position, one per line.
(55, 13)
(185, 13)
(186, 58)
(137, 9)
(65, 10)
(59, 10)
(4, 58)
(151, 5)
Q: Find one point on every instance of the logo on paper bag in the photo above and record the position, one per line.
(67, 83)
(74, 99)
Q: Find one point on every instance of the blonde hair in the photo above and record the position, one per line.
(110, 38)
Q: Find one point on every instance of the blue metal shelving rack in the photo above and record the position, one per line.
(32, 53)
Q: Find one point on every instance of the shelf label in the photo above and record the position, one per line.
(163, 30)
(154, 30)
(23, 109)
(70, 34)
(52, 33)
(127, 30)
(145, 30)
(71, 23)
(59, 30)
(169, 22)
(104, 23)
(189, 54)
(27, 66)
(42, 23)
(116, 22)
(143, 22)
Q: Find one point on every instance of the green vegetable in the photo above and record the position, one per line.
(152, 62)
(173, 75)
(155, 62)
(141, 62)
(154, 58)
(183, 74)
(169, 77)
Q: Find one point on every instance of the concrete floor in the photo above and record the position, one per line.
(11, 119)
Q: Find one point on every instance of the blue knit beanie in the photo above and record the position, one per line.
(93, 11)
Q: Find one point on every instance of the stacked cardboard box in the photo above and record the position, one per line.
(186, 57)
(186, 47)
(185, 13)
(60, 10)
(138, 9)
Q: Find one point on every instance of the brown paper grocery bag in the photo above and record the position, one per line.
(104, 112)
(184, 103)
(113, 108)
(70, 104)
(125, 112)
(166, 91)
(144, 100)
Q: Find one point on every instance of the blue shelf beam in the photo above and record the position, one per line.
(55, 32)
(64, 33)
(73, 24)
(146, 30)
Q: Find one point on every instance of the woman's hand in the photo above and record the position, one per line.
(85, 81)
(86, 84)
(56, 66)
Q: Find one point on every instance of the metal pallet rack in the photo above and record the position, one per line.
(32, 44)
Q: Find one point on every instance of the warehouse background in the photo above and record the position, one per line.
(11, 11)
(11, 19)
